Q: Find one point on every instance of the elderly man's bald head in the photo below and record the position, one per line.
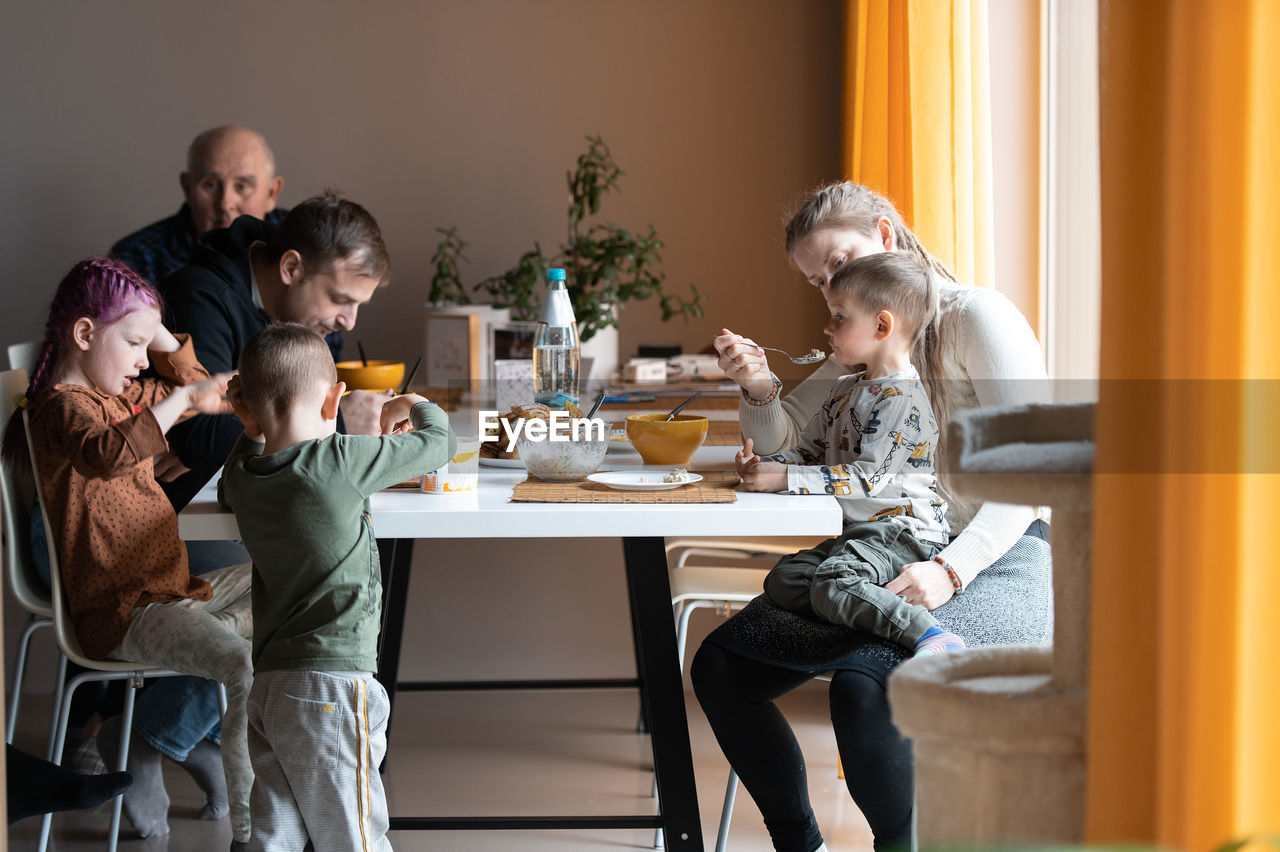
(230, 172)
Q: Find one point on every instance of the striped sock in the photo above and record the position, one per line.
(938, 641)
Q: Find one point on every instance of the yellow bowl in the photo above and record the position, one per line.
(377, 376)
(662, 441)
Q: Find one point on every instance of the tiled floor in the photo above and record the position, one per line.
(513, 753)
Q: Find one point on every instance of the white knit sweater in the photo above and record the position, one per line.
(991, 357)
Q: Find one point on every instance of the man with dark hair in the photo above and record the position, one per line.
(317, 268)
(230, 172)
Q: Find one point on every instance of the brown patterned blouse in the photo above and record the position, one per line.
(115, 532)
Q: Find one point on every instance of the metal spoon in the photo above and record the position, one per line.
(595, 405)
(676, 410)
(812, 358)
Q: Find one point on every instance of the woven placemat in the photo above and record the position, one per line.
(724, 433)
(717, 486)
(450, 399)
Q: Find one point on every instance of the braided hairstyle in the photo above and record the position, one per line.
(102, 289)
(847, 205)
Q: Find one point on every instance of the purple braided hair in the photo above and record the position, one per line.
(102, 289)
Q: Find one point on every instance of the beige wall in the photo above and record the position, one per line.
(432, 114)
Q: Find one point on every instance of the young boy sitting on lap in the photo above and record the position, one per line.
(317, 717)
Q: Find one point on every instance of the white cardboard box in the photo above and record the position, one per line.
(645, 370)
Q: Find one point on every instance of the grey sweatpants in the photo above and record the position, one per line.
(316, 740)
(841, 581)
(209, 639)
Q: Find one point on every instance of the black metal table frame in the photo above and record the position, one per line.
(658, 681)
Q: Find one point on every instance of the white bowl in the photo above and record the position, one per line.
(561, 461)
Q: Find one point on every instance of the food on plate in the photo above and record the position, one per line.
(677, 475)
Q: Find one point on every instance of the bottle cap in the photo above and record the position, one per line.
(555, 274)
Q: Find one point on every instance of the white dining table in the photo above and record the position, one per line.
(401, 516)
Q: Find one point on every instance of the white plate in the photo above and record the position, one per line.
(640, 481)
(511, 463)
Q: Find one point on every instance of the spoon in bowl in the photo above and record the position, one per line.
(676, 410)
(813, 356)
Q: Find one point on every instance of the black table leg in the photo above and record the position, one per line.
(662, 691)
(396, 555)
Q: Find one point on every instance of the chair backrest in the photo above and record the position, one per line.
(62, 626)
(17, 494)
(22, 356)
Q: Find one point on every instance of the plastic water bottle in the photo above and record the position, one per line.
(556, 352)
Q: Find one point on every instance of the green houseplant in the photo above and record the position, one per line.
(446, 283)
(607, 265)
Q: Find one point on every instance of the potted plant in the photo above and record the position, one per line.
(607, 265)
(448, 297)
(446, 283)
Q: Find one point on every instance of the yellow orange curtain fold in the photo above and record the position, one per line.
(917, 121)
(1184, 749)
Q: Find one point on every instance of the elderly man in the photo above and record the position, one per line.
(230, 173)
(318, 267)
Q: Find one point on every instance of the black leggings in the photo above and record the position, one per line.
(737, 694)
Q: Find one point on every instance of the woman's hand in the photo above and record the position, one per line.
(923, 583)
(395, 413)
(744, 363)
(757, 474)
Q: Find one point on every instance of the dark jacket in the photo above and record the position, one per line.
(212, 300)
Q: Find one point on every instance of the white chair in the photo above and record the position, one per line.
(100, 670)
(696, 586)
(22, 356)
(29, 590)
(713, 585)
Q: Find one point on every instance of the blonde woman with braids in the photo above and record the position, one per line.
(990, 584)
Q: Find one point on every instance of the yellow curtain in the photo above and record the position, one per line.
(1184, 746)
(917, 121)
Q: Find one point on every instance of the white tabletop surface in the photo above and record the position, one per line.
(489, 513)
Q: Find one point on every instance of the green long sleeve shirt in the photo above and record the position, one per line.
(303, 514)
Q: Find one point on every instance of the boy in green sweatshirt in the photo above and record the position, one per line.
(317, 716)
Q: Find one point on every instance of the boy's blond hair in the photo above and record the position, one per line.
(891, 281)
(281, 363)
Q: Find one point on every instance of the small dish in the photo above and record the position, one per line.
(508, 463)
(640, 481)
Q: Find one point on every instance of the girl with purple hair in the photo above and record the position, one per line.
(95, 426)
